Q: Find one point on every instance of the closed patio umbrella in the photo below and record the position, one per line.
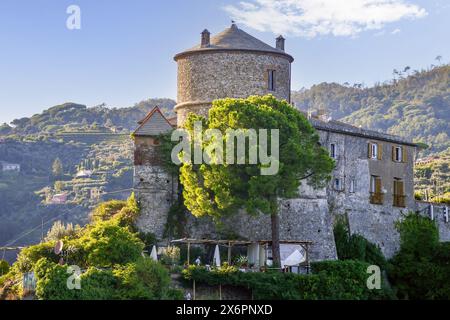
(216, 259)
(154, 255)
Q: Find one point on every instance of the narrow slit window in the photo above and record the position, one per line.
(352, 186)
(333, 153)
(271, 80)
(337, 184)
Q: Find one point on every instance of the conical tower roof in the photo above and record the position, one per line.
(234, 39)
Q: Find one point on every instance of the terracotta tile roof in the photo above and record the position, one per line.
(154, 124)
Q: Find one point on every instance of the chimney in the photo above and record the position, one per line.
(280, 43)
(205, 38)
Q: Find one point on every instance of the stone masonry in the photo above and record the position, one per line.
(372, 185)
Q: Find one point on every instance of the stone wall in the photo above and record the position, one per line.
(438, 216)
(205, 77)
(155, 191)
(305, 218)
(376, 222)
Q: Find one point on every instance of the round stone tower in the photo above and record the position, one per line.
(232, 64)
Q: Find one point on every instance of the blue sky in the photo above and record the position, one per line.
(124, 51)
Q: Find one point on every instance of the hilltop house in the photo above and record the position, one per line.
(60, 198)
(9, 167)
(83, 174)
(372, 183)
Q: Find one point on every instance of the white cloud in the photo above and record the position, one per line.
(396, 31)
(311, 18)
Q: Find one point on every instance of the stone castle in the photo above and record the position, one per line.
(372, 183)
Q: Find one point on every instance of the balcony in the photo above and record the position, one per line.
(376, 198)
(399, 201)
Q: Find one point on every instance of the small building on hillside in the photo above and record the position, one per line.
(60, 198)
(84, 174)
(11, 167)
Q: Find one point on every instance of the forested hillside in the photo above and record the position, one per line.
(415, 104)
(95, 139)
(30, 197)
(70, 117)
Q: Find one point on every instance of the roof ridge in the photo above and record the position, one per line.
(149, 116)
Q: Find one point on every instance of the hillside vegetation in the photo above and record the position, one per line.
(27, 196)
(94, 140)
(73, 117)
(414, 105)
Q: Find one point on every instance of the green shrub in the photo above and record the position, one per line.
(123, 212)
(176, 221)
(421, 269)
(30, 255)
(51, 281)
(107, 210)
(348, 280)
(97, 284)
(4, 267)
(107, 244)
(59, 231)
(330, 280)
(142, 280)
(356, 247)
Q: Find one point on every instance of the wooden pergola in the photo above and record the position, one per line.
(226, 243)
(230, 243)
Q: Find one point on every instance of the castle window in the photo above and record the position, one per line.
(375, 151)
(399, 193)
(333, 151)
(376, 194)
(351, 188)
(398, 154)
(271, 80)
(337, 184)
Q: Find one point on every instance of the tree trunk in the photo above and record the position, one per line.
(275, 219)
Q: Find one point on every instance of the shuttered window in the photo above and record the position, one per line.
(376, 194)
(399, 154)
(399, 193)
(375, 150)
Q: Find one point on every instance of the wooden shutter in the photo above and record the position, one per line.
(400, 188)
(380, 151)
(404, 155)
(369, 151)
(378, 185)
(393, 153)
